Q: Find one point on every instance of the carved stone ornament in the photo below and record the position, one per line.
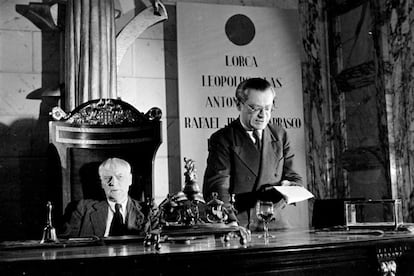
(105, 112)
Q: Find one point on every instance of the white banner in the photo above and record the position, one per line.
(218, 47)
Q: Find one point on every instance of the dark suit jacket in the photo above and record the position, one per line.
(89, 219)
(235, 166)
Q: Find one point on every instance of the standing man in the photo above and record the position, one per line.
(118, 215)
(249, 156)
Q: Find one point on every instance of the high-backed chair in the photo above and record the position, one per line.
(92, 132)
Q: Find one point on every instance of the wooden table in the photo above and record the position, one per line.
(289, 253)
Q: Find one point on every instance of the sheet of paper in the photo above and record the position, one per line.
(294, 193)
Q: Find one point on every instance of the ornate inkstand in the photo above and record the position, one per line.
(185, 214)
(182, 208)
(215, 210)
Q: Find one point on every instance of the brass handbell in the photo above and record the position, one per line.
(49, 232)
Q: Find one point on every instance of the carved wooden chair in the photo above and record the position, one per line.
(92, 132)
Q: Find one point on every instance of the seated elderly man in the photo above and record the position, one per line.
(118, 215)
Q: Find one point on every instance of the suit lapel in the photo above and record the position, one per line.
(245, 149)
(98, 218)
(271, 152)
(135, 217)
(275, 150)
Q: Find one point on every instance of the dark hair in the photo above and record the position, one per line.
(243, 89)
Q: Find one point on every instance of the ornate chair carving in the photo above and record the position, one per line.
(92, 132)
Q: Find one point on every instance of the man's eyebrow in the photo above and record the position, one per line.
(261, 105)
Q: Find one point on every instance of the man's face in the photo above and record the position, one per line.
(255, 113)
(116, 182)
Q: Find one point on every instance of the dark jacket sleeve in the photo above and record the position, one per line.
(217, 173)
(288, 173)
(74, 215)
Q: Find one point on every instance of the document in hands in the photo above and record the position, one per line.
(294, 194)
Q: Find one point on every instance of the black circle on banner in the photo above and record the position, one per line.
(240, 29)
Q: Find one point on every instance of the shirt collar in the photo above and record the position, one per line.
(123, 204)
(250, 130)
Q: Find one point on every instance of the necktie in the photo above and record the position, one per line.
(257, 139)
(117, 224)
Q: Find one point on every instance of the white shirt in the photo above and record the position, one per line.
(250, 132)
(111, 212)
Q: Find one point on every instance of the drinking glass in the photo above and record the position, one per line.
(265, 212)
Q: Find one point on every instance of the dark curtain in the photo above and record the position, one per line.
(90, 54)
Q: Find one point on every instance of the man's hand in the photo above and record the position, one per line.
(268, 193)
(288, 183)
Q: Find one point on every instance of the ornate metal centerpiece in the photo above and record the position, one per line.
(185, 213)
(182, 208)
(216, 213)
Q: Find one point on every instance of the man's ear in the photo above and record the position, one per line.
(239, 104)
(130, 179)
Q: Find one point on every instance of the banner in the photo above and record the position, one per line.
(218, 47)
